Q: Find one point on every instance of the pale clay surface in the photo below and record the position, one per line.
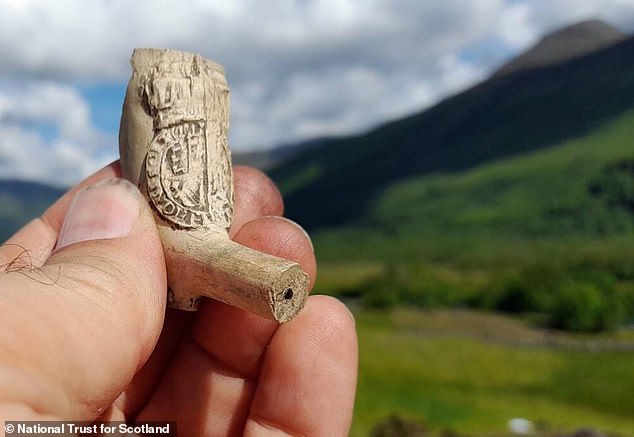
(173, 145)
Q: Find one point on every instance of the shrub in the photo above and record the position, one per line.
(397, 426)
(583, 307)
(379, 298)
(529, 290)
(583, 297)
(415, 285)
(515, 296)
(615, 185)
(627, 300)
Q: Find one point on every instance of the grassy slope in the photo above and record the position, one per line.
(337, 182)
(509, 212)
(468, 372)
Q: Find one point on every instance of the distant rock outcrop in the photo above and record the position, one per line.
(565, 44)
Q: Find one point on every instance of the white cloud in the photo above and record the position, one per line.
(515, 27)
(297, 68)
(70, 150)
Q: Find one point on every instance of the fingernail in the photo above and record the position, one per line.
(108, 209)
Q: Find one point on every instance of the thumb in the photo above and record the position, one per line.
(76, 330)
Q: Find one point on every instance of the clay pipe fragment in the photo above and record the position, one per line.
(173, 145)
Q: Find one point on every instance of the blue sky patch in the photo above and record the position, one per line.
(106, 101)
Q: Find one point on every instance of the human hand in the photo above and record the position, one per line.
(84, 333)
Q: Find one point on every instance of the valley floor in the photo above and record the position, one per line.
(470, 372)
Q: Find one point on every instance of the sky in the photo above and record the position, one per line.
(297, 69)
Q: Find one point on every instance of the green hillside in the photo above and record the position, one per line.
(338, 182)
(573, 197)
(549, 234)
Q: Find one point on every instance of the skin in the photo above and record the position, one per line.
(84, 332)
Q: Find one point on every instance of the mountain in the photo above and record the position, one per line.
(21, 201)
(557, 47)
(565, 44)
(267, 159)
(571, 201)
(507, 115)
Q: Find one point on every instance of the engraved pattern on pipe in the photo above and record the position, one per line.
(188, 164)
